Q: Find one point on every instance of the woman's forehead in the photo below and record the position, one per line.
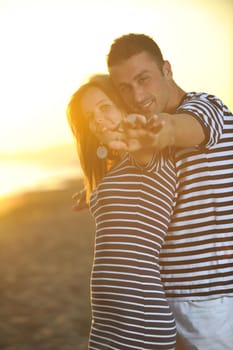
(93, 96)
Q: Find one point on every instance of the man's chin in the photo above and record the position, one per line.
(147, 113)
(142, 111)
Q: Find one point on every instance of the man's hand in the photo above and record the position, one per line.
(162, 130)
(143, 134)
(80, 200)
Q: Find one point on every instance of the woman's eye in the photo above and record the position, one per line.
(106, 107)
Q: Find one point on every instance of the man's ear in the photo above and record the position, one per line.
(167, 70)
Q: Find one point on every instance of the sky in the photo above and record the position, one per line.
(49, 47)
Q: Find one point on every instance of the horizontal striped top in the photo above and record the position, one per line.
(132, 208)
(197, 258)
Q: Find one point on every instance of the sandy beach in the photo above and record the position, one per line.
(46, 252)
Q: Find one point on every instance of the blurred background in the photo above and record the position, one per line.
(48, 48)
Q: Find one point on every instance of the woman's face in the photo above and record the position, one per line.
(102, 114)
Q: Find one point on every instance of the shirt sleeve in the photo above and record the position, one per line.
(208, 110)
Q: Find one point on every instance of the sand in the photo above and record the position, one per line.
(46, 252)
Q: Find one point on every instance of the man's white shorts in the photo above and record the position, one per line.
(205, 324)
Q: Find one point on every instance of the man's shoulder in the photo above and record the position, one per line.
(201, 97)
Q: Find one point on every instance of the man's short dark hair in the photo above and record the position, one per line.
(131, 44)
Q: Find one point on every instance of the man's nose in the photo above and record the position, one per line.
(138, 94)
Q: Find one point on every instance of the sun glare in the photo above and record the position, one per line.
(48, 48)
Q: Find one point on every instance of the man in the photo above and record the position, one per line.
(197, 259)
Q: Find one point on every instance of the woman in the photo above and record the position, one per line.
(131, 199)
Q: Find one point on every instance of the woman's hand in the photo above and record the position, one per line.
(80, 200)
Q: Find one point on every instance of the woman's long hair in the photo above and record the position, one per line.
(94, 169)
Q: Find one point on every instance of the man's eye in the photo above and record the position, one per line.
(143, 79)
(124, 89)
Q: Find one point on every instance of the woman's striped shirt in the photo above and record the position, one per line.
(132, 207)
(197, 259)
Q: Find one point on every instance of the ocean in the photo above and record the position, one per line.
(19, 176)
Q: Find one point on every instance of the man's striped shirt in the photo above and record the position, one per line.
(197, 258)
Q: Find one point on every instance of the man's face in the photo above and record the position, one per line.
(143, 86)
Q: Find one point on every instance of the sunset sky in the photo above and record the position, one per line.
(49, 47)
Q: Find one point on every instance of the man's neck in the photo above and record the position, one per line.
(177, 95)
